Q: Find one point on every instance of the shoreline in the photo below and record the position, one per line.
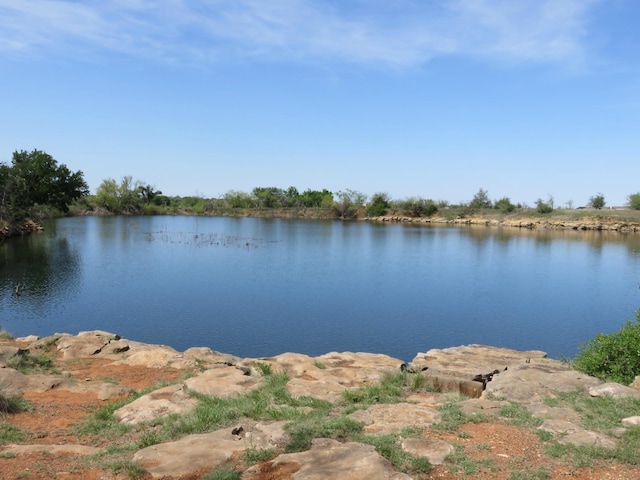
(588, 223)
(528, 223)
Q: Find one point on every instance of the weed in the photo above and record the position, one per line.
(13, 404)
(131, 469)
(9, 433)
(320, 365)
(387, 446)
(4, 335)
(459, 461)
(518, 415)
(253, 455)
(222, 473)
(301, 433)
(263, 368)
(29, 363)
(541, 473)
(451, 418)
(388, 390)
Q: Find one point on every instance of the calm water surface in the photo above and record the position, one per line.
(256, 287)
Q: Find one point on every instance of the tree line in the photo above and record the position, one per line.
(35, 185)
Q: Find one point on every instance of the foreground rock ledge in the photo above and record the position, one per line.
(481, 373)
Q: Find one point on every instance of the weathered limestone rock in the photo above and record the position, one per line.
(56, 449)
(392, 418)
(482, 406)
(631, 421)
(327, 376)
(614, 390)
(195, 453)
(470, 360)
(329, 458)
(15, 383)
(6, 352)
(434, 450)
(222, 382)
(568, 432)
(205, 357)
(157, 404)
(520, 376)
(88, 344)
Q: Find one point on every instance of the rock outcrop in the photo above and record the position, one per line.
(491, 378)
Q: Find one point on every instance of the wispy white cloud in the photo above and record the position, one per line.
(399, 33)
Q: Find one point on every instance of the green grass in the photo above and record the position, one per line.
(264, 368)
(599, 414)
(517, 415)
(541, 473)
(223, 473)
(452, 417)
(13, 404)
(4, 335)
(9, 433)
(254, 455)
(31, 363)
(389, 447)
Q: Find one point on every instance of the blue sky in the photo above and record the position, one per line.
(431, 98)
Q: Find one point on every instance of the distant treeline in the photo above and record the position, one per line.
(34, 186)
(135, 197)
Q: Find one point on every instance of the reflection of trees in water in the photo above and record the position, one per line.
(44, 266)
(596, 239)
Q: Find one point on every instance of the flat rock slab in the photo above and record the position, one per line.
(194, 453)
(327, 376)
(223, 382)
(433, 450)
(71, 449)
(328, 459)
(614, 390)
(514, 375)
(568, 432)
(392, 418)
(157, 404)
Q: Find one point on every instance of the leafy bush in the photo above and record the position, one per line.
(614, 356)
(634, 201)
(543, 207)
(505, 205)
(378, 206)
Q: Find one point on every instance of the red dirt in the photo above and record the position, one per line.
(509, 449)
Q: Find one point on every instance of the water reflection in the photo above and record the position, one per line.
(257, 287)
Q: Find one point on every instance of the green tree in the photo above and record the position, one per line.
(269, 197)
(505, 205)
(36, 178)
(417, 207)
(123, 197)
(236, 199)
(348, 203)
(481, 200)
(543, 207)
(378, 205)
(316, 198)
(633, 201)
(147, 193)
(597, 201)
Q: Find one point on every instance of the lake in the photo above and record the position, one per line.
(258, 287)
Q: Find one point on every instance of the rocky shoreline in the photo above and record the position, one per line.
(490, 379)
(529, 223)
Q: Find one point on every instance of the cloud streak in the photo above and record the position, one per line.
(404, 33)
